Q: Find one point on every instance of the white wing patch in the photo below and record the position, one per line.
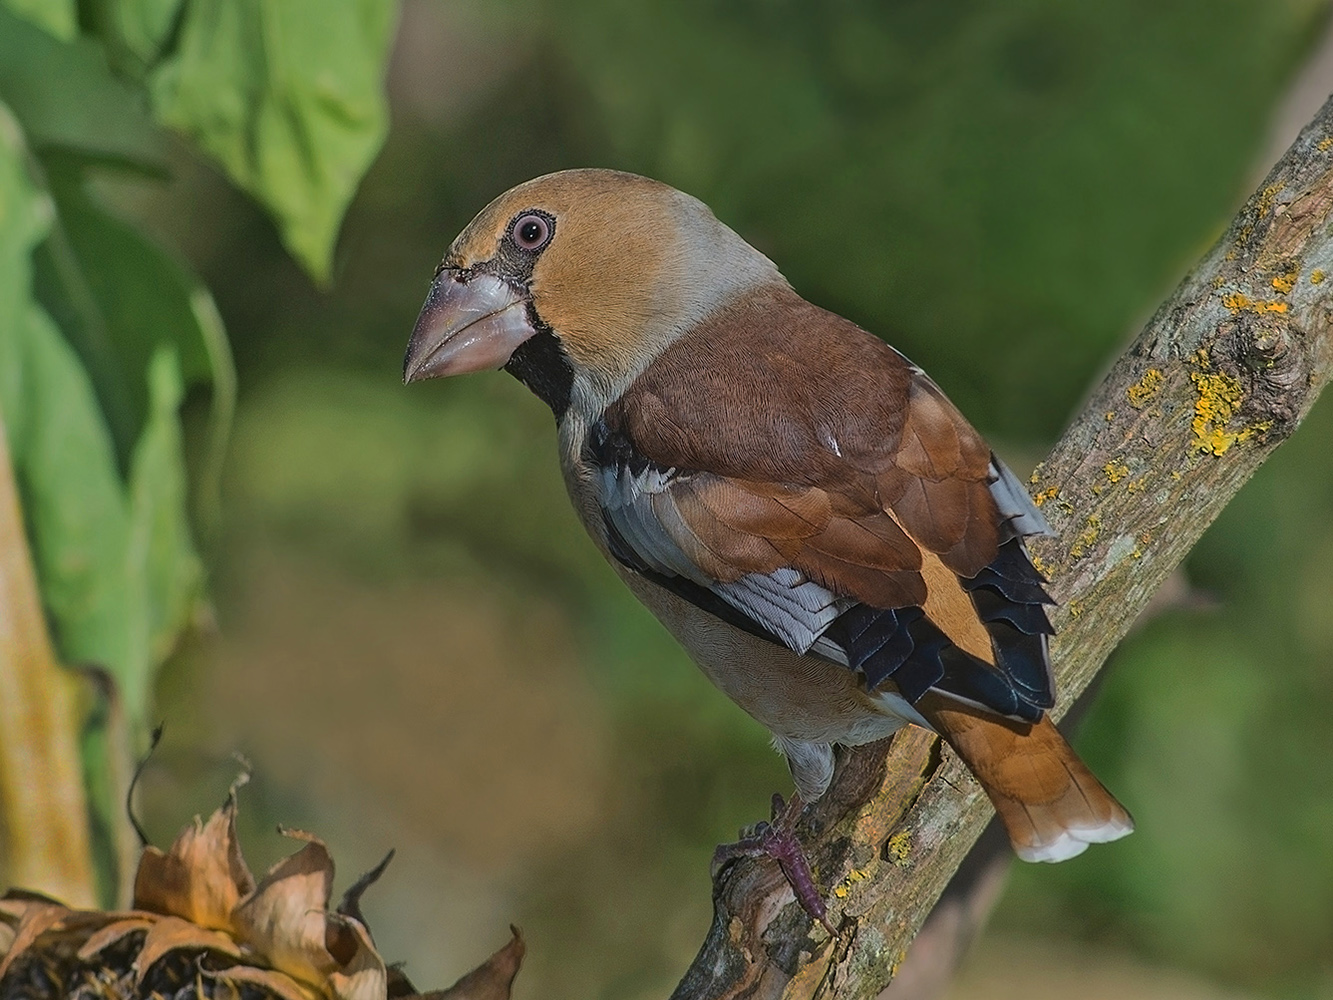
(1020, 514)
(641, 509)
(795, 609)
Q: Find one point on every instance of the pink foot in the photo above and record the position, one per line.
(777, 840)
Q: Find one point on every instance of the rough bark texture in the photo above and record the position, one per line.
(1221, 375)
(42, 805)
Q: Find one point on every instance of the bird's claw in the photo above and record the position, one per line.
(777, 841)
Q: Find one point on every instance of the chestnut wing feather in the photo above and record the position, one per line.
(772, 389)
(796, 468)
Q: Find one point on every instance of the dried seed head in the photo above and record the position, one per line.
(201, 928)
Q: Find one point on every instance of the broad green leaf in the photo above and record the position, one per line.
(144, 26)
(77, 520)
(288, 96)
(161, 551)
(65, 95)
(74, 503)
(25, 216)
(59, 17)
(117, 568)
(119, 297)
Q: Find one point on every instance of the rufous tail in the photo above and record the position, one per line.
(1051, 805)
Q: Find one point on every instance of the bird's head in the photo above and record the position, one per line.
(576, 281)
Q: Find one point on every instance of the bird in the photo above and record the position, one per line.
(801, 506)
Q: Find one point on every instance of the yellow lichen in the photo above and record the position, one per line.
(1044, 495)
(1115, 471)
(1039, 564)
(1284, 283)
(1317, 277)
(1262, 206)
(1075, 608)
(853, 876)
(899, 847)
(1324, 145)
(1266, 197)
(1087, 537)
(1240, 302)
(1220, 396)
(1144, 389)
(1110, 415)
(1136, 485)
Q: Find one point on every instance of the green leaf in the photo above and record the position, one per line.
(144, 25)
(75, 507)
(25, 217)
(118, 571)
(120, 297)
(161, 551)
(59, 17)
(65, 95)
(287, 96)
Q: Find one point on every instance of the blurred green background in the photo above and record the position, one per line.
(417, 648)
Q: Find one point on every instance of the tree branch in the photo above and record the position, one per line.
(1221, 375)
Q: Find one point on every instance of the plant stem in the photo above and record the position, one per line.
(43, 806)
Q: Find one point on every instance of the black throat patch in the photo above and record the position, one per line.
(541, 364)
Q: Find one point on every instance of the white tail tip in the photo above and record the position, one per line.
(1072, 843)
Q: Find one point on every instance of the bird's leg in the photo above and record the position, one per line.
(777, 839)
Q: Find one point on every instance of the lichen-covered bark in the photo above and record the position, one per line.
(1219, 377)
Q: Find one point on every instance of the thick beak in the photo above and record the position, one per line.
(466, 326)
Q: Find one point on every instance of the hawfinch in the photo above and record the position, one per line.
(800, 505)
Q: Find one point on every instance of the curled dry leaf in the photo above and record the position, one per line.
(361, 974)
(203, 930)
(111, 935)
(286, 918)
(35, 919)
(202, 877)
(174, 934)
(351, 901)
(493, 979)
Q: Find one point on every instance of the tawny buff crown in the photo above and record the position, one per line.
(631, 263)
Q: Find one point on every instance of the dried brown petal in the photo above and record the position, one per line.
(202, 877)
(492, 980)
(285, 918)
(16, 902)
(29, 896)
(278, 983)
(37, 918)
(398, 986)
(112, 933)
(351, 901)
(170, 934)
(361, 974)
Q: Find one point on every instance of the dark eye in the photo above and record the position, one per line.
(531, 232)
